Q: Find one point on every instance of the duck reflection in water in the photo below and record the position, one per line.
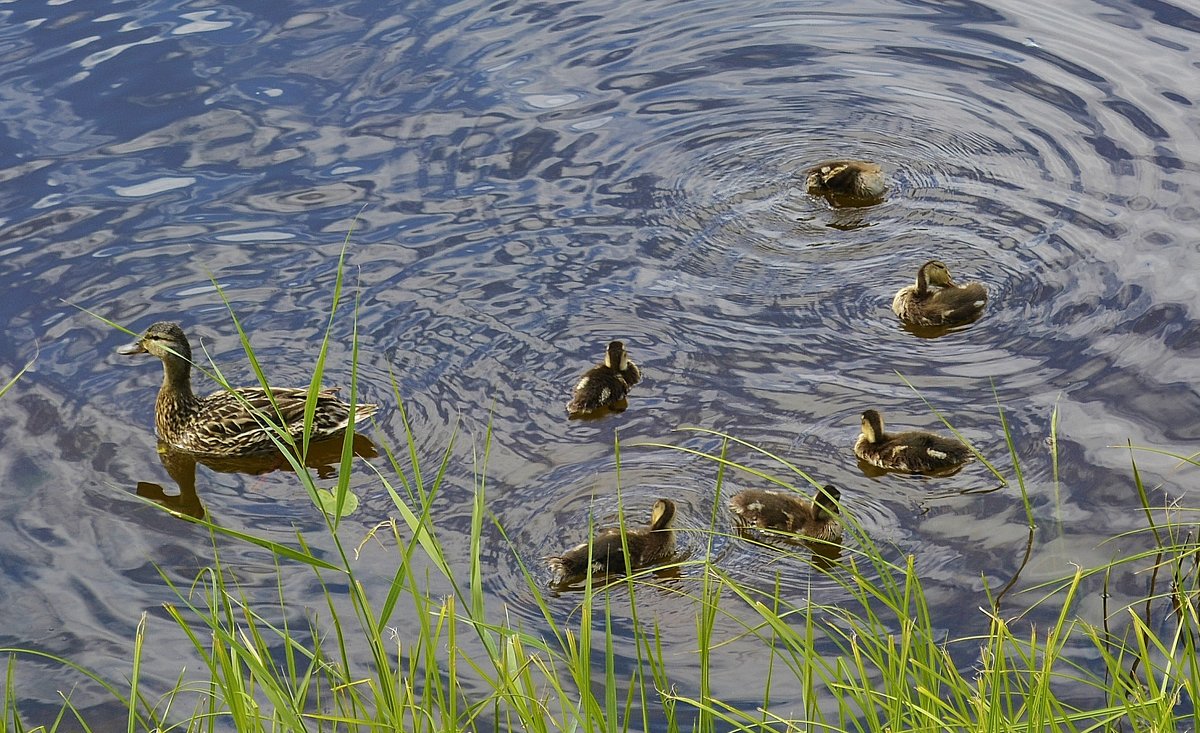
(847, 220)
(230, 431)
(324, 456)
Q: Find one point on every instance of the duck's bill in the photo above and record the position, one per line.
(131, 349)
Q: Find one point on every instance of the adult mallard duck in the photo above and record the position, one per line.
(936, 300)
(913, 451)
(847, 182)
(647, 546)
(783, 511)
(230, 423)
(604, 386)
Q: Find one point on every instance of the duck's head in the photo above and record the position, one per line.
(662, 514)
(872, 425)
(162, 339)
(935, 272)
(616, 357)
(827, 500)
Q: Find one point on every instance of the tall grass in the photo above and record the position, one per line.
(878, 659)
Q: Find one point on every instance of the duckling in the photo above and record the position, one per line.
(647, 546)
(604, 386)
(946, 304)
(847, 182)
(913, 451)
(783, 511)
(230, 423)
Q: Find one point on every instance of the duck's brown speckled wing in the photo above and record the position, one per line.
(960, 305)
(762, 509)
(925, 452)
(608, 556)
(242, 419)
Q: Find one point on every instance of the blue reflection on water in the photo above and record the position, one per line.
(530, 180)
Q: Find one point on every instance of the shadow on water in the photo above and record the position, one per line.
(324, 456)
(824, 553)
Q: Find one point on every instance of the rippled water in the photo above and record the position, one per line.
(534, 179)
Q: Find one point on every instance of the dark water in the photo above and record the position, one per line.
(534, 179)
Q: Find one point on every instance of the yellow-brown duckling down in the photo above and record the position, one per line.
(847, 182)
(914, 451)
(784, 511)
(936, 300)
(604, 387)
(647, 546)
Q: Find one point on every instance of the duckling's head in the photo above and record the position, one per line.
(935, 272)
(826, 502)
(662, 513)
(163, 339)
(616, 357)
(872, 426)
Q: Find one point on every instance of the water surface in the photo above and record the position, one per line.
(527, 181)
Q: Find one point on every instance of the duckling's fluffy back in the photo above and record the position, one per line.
(786, 512)
(847, 182)
(647, 546)
(915, 452)
(605, 386)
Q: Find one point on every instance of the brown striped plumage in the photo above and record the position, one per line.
(230, 423)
